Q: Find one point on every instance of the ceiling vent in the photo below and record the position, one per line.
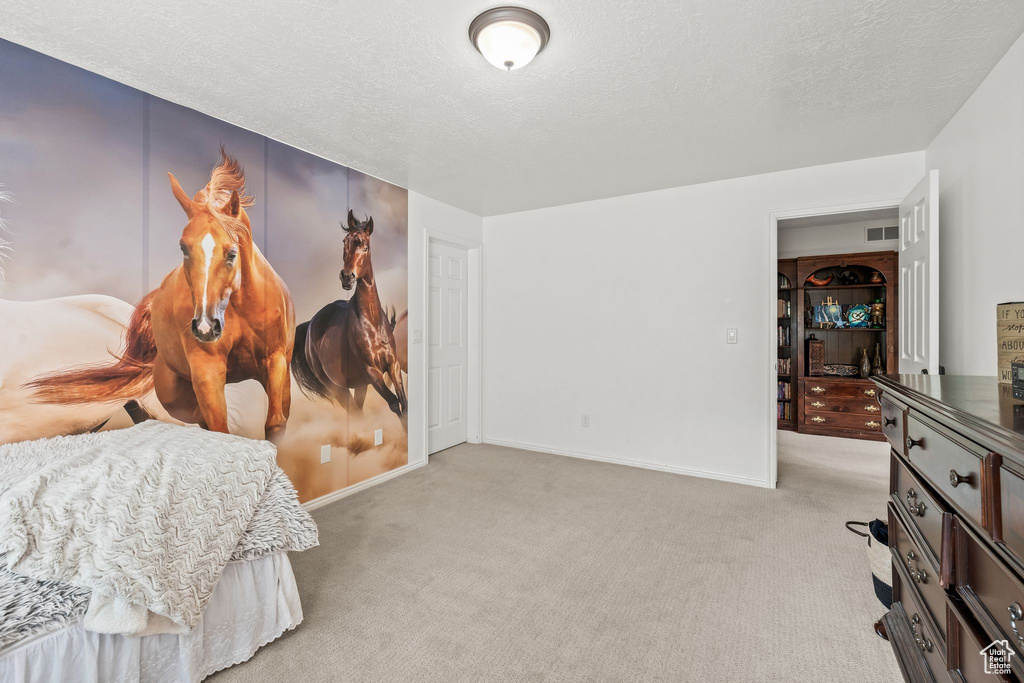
(886, 234)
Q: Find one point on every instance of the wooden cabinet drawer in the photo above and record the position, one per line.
(843, 404)
(894, 418)
(929, 517)
(836, 389)
(841, 420)
(949, 462)
(1008, 509)
(963, 650)
(921, 576)
(990, 590)
(923, 632)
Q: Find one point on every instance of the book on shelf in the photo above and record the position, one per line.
(785, 309)
(785, 366)
(784, 335)
(785, 390)
(785, 411)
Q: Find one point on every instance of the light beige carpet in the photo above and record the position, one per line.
(493, 564)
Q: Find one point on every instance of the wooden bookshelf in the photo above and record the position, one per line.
(787, 384)
(832, 405)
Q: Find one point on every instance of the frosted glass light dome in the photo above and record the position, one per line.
(509, 37)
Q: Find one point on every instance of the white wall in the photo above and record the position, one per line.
(833, 239)
(427, 214)
(980, 157)
(618, 308)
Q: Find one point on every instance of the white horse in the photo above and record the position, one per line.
(38, 337)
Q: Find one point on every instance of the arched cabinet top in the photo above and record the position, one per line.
(870, 269)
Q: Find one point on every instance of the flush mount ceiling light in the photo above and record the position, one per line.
(509, 37)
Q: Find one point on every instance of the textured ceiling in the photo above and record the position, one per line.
(628, 96)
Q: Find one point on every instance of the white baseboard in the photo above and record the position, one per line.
(615, 460)
(365, 484)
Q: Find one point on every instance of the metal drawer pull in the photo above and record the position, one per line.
(872, 424)
(872, 408)
(817, 419)
(915, 508)
(817, 404)
(911, 442)
(918, 575)
(818, 390)
(1015, 615)
(889, 421)
(923, 644)
(955, 479)
(869, 392)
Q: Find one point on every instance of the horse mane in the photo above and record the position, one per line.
(5, 244)
(226, 177)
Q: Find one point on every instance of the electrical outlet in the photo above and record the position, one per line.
(731, 335)
(325, 453)
(378, 437)
(585, 421)
(417, 336)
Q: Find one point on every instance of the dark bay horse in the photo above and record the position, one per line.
(223, 315)
(350, 345)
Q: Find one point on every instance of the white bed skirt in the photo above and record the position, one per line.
(254, 603)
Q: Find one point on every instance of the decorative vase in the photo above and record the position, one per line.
(865, 364)
(876, 365)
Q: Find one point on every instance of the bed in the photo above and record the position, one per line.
(108, 614)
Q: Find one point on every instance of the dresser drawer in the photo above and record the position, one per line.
(990, 590)
(921, 577)
(843, 404)
(922, 627)
(964, 657)
(929, 517)
(894, 421)
(837, 389)
(1008, 515)
(949, 462)
(841, 420)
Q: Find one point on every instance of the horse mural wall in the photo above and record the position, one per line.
(125, 297)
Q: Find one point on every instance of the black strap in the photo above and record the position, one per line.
(859, 533)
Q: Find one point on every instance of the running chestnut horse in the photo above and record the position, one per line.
(221, 316)
(349, 345)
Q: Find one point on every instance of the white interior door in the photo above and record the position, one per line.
(447, 346)
(919, 278)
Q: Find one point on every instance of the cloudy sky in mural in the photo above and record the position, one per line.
(72, 154)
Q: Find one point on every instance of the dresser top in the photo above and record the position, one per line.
(981, 406)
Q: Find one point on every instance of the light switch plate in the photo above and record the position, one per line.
(731, 335)
(325, 453)
(378, 437)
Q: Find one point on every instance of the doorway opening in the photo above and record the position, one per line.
(834, 318)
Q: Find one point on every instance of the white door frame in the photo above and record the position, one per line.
(474, 376)
(771, 309)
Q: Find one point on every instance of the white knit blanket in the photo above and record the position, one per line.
(145, 518)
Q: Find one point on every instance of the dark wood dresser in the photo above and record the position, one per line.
(956, 526)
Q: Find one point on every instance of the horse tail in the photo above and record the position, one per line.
(127, 378)
(302, 371)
